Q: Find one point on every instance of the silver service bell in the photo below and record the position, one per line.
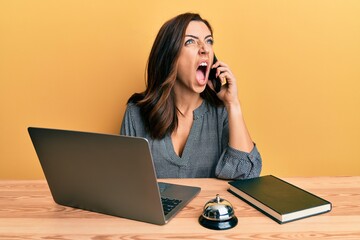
(218, 214)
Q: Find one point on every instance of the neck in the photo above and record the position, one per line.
(186, 104)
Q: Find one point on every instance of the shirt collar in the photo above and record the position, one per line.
(201, 110)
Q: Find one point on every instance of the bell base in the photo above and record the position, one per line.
(218, 225)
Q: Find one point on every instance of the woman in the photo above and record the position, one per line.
(192, 130)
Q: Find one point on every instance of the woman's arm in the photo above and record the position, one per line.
(240, 158)
(239, 137)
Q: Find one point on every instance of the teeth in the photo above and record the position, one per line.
(203, 64)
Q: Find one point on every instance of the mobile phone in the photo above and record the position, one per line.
(215, 80)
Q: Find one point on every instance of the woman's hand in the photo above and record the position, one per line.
(228, 93)
(239, 137)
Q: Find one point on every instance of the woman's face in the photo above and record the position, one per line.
(195, 59)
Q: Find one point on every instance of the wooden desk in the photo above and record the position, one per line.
(27, 211)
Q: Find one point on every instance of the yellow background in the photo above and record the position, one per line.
(73, 64)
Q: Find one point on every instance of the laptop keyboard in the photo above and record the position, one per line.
(169, 204)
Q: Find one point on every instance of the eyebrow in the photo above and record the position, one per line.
(189, 35)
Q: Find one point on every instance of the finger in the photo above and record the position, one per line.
(226, 78)
(218, 64)
(223, 79)
(223, 70)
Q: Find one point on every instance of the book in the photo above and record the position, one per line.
(278, 199)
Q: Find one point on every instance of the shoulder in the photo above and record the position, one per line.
(133, 123)
(133, 111)
(133, 114)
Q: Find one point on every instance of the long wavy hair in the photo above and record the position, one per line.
(157, 102)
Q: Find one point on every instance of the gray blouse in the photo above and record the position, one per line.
(206, 152)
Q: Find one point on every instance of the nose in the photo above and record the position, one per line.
(204, 49)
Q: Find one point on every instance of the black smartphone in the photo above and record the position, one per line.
(215, 80)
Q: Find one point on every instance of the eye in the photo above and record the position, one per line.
(189, 41)
(210, 41)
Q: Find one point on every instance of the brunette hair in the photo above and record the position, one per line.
(157, 102)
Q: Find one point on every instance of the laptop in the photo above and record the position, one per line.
(109, 174)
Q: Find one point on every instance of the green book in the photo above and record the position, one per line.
(278, 199)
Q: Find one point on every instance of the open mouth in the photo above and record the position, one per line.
(201, 73)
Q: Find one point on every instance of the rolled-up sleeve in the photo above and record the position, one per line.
(235, 164)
